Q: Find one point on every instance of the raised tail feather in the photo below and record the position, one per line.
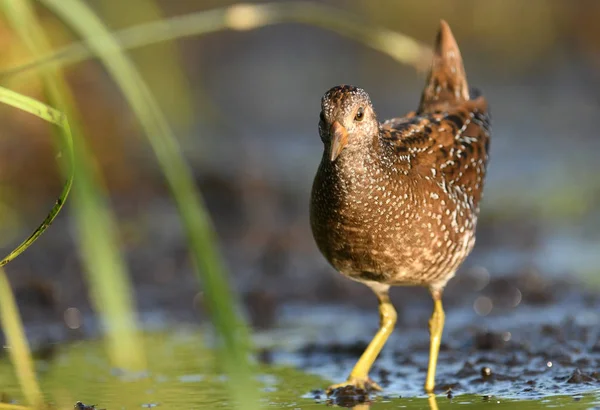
(447, 81)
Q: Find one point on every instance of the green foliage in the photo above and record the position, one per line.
(19, 352)
(110, 288)
(55, 117)
(233, 333)
(9, 314)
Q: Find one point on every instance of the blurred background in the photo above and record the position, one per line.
(245, 105)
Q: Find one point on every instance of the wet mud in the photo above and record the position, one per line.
(547, 344)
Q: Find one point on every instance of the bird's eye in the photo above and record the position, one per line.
(360, 114)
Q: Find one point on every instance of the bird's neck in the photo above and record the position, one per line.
(372, 159)
(356, 158)
(363, 166)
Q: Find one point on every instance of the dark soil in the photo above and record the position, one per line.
(548, 344)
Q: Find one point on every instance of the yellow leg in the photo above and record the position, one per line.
(436, 327)
(359, 377)
(432, 402)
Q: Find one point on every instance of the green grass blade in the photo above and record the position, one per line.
(19, 352)
(55, 117)
(398, 46)
(110, 289)
(12, 325)
(233, 333)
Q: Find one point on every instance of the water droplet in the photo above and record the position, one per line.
(72, 318)
(483, 305)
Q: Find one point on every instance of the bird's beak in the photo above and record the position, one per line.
(339, 139)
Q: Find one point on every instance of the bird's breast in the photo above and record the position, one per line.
(397, 230)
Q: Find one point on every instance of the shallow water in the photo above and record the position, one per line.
(182, 375)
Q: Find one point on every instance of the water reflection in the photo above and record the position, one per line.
(431, 400)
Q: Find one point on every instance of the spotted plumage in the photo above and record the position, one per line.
(400, 204)
(396, 203)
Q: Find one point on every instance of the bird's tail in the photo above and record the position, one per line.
(447, 82)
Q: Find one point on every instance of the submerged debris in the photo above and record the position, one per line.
(486, 372)
(317, 394)
(578, 377)
(489, 341)
(348, 396)
(80, 406)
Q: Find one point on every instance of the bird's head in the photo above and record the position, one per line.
(347, 120)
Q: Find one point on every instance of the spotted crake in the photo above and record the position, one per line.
(395, 203)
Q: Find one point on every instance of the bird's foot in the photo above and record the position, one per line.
(354, 383)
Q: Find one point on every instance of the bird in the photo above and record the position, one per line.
(395, 203)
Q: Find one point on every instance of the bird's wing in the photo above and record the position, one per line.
(450, 146)
(447, 138)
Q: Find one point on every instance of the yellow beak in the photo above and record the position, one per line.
(339, 139)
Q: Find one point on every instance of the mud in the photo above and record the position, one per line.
(548, 344)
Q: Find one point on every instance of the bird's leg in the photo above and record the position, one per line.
(432, 402)
(436, 327)
(359, 377)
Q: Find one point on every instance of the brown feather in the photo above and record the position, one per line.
(447, 81)
(399, 204)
